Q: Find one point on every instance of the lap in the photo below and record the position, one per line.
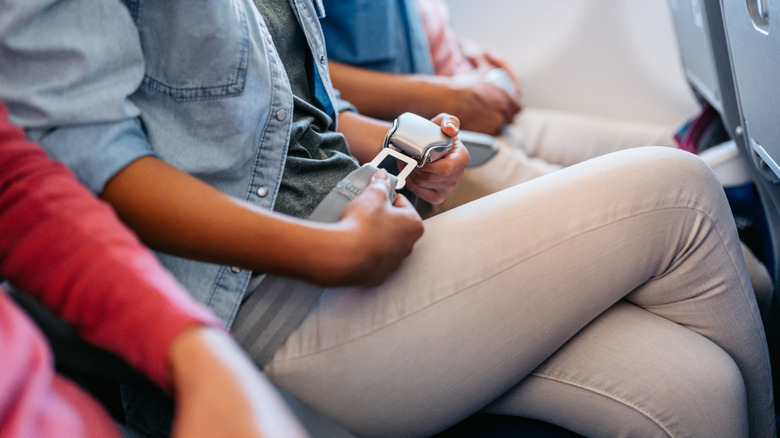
(493, 289)
(566, 138)
(543, 141)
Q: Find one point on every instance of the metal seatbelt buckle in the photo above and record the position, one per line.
(415, 141)
(418, 138)
(411, 163)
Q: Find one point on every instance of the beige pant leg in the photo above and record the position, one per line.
(543, 141)
(673, 382)
(509, 167)
(567, 138)
(495, 287)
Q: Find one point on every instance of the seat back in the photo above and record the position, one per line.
(701, 40)
(721, 45)
(753, 45)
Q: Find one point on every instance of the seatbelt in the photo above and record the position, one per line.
(274, 310)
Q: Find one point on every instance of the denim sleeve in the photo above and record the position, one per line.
(68, 67)
(95, 152)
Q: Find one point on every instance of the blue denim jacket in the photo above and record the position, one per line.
(381, 35)
(100, 84)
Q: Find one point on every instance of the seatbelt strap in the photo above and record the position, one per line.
(333, 205)
(275, 308)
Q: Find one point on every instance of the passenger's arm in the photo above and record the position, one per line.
(480, 105)
(83, 77)
(484, 59)
(431, 182)
(176, 213)
(60, 244)
(68, 85)
(215, 400)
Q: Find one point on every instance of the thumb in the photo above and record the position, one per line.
(383, 182)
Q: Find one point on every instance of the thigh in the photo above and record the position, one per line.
(509, 167)
(566, 138)
(543, 141)
(494, 287)
(635, 374)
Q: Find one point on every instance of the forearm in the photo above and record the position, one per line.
(176, 213)
(480, 105)
(364, 135)
(385, 96)
(219, 392)
(61, 245)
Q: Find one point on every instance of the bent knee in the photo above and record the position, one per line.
(669, 166)
(633, 373)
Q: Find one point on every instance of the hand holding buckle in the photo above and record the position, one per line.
(415, 141)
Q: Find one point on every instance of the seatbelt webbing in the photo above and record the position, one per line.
(275, 308)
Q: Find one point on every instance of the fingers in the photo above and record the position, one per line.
(507, 109)
(496, 102)
(511, 110)
(450, 125)
(448, 167)
(381, 188)
(435, 180)
(509, 105)
(402, 202)
(500, 61)
(381, 184)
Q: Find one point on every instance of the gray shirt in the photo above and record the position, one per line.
(317, 158)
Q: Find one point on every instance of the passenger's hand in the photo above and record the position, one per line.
(485, 60)
(434, 180)
(220, 393)
(480, 105)
(375, 236)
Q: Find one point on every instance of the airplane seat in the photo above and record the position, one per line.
(750, 40)
(727, 50)
(702, 41)
(699, 29)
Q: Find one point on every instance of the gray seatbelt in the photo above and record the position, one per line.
(331, 207)
(272, 311)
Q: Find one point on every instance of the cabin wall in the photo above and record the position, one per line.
(615, 58)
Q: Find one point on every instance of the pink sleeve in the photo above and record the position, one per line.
(61, 244)
(448, 60)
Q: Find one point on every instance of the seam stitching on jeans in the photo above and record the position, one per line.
(608, 395)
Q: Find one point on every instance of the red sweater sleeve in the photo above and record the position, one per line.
(61, 244)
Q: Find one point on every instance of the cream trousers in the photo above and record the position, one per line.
(610, 297)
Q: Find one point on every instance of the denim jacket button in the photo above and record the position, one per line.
(281, 114)
(322, 59)
(235, 269)
(262, 191)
